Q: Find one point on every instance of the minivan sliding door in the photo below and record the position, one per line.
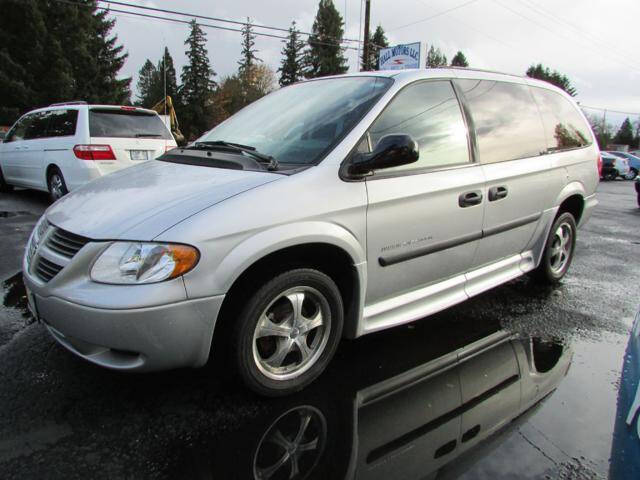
(520, 181)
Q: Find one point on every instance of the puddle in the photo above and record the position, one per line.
(15, 295)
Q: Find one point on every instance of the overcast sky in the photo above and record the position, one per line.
(593, 42)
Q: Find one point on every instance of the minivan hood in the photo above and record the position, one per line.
(140, 202)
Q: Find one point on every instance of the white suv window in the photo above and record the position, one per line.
(114, 123)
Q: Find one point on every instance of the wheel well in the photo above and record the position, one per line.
(50, 169)
(574, 205)
(329, 259)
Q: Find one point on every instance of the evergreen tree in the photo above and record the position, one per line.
(625, 134)
(146, 78)
(151, 81)
(52, 52)
(435, 58)
(109, 59)
(325, 55)
(197, 84)
(247, 63)
(292, 65)
(376, 41)
(554, 77)
(170, 76)
(249, 57)
(459, 60)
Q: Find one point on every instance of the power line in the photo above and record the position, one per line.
(443, 12)
(205, 17)
(186, 22)
(515, 12)
(590, 36)
(609, 110)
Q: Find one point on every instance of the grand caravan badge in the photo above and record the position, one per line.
(407, 243)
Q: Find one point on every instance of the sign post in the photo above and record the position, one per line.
(401, 57)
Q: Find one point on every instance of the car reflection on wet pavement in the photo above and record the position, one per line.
(477, 391)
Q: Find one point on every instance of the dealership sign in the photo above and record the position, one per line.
(400, 57)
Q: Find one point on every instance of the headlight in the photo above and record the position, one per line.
(137, 262)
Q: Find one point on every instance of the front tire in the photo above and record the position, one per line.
(57, 185)
(558, 251)
(633, 173)
(288, 332)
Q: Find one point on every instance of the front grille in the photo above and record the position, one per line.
(46, 270)
(66, 243)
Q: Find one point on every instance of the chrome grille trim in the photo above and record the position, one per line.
(65, 243)
(46, 270)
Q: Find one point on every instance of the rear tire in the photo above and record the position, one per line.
(56, 184)
(288, 332)
(610, 176)
(558, 251)
(4, 186)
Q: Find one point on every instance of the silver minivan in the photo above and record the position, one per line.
(329, 209)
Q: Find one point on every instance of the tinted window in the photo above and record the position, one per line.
(19, 129)
(506, 120)
(300, 123)
(126, 124)
(62, 123)
(564, 127)
(38, 126)
(429, 112)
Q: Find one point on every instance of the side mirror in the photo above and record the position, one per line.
(390, 151)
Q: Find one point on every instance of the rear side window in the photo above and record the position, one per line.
(564, 127)
(126, 124)
(19, 129)
(430, 113)
(37, 126)
(506, 120)
(62, 123)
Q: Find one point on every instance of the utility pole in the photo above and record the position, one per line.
(367, 13)
(604, 129)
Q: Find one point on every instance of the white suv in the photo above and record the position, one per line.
(64, 146)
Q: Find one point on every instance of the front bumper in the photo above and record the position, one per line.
(138, 339)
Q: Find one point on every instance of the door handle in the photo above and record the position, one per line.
(469, 199)
(497, 193)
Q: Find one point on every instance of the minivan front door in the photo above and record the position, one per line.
(424, 220)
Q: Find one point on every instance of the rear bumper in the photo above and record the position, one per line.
(142, 339)
(590, 203)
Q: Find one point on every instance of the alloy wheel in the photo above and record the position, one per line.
(291, 333)
(56, 186)
(561, 247)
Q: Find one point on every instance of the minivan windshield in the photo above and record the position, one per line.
(299, 124)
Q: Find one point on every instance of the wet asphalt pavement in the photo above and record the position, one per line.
(388, 402)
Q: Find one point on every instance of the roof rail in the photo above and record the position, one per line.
(74, 102)
(486, 71)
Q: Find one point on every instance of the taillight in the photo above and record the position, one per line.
(94, 152)
(599, 164)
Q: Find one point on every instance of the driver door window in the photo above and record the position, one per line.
(430, 113)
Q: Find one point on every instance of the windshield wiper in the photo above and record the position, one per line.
(151, 135)
(272, 163)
